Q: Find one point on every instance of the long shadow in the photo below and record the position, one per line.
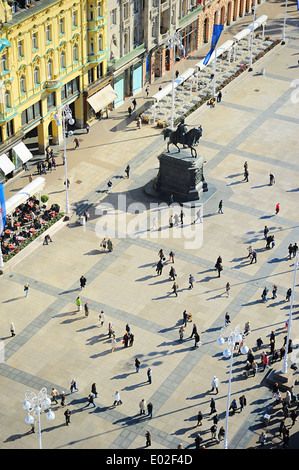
(13, 299)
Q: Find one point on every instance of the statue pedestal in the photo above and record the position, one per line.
(181, 175)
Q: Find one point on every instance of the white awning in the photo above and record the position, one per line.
(23, 152)
(36, 186)
(102, 98)
(246, 31)
(168, 89)
(219, 51)
(6, 164)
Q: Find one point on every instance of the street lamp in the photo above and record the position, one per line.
(232, 337)
(284, 24)
(37, 404)
(66, 115)
(172, 42)
(252, 35)
(285, 361)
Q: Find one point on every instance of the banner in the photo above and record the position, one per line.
(2, 210)
(217, 30)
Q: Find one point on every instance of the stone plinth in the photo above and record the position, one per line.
(181, 175)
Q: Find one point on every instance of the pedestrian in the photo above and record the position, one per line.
(117, 400)
(288, 294)
(102, 318)
(226, 319)
(220, 206)
(265, 360)
(227, 288)
(245, 166)
(113, 343)
(290, 248)
(134, 103)
(194, 329)
(73, 386)
(198, 216)
(67, 415)
(266, 231)
(129, 111)
(264, 294)
(87, 128)
(177, 73)
(246, 174)
(110, 245)
(277, 208)
(295, 249)
(233, 406)
(142, 406)
(254, 368)
(12, 329)
(147, 90)
(213, 406)
(127, 171)
(213, 430)
(215, 384)
(90, 401)
(242, 401)
(171, 221)
(250, 250)
(218, 265)
(293, 416)
(161, 255)
(197, 340)
(149, 375)
(79, 304)
(109, 186)
(182, 215)
(263, 438)
(159, 268)
(272, 179)
(221, 433)
(253, 256)
(274, 291)
(110, 329)
(199, 418)
(181, 333)
(175, 288)
(137, 364)
(94, 390)
(76, 142)
(26, 289)
(185, 318)
(171, 256)
(139, 122)
(219, 97)
(62, 398)
(171, 200)
(82, 282)
(126, 338)
(191, 280)
(150, 408)
(54, 395)
(247, 328)
(148, 437)
(132, 337)
(68, 183)
(172, 273)
(259, 343)
(198, 440)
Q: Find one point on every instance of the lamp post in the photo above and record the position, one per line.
(232, 337)
(66, 115)
(284, 24)
(172, 42)
(285, 361)
(252, 35)
(215, 63)
(37, 404)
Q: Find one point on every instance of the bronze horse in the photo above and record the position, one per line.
(189, 139)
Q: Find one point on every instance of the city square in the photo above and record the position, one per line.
(256, 122)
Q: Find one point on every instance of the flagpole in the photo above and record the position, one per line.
(252, 35)
(284, 24)
(215, 63)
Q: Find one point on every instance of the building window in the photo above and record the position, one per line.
(61, 26)
(100, 9)
(90, 76)
(74, 19)
(126, 11)
(49, 69)
(22, 84)
(135, 6)
(34, 41)
(9, 128)
(48, 33)
(100, 71)
(113, 17)
(36, 76)
(70, 88)
(62, 60)
(51, 100)
(20, 49)
(100, 43)
(31, 113)
(91, 13)
(4, 63)
(7, 99)
(91, 47)
(75, 52)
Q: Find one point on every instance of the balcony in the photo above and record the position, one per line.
(52, 84)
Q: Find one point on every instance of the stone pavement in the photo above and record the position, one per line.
(257, 121)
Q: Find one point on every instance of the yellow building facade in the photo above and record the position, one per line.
(52, 53)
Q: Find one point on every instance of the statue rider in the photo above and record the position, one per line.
(182, 131)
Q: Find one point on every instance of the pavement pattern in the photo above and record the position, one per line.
(257, 121)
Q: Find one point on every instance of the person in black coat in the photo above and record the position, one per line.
(194, 330)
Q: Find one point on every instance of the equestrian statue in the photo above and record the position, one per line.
(182, 136)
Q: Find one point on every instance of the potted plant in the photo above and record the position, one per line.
(44, 199)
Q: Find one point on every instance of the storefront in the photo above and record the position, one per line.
(99, 100)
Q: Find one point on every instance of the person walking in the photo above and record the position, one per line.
(264, 294)
(199, 418)
(233, 406)
(67, 415)
(149, 375)
(159, 268)
(94, 390)
(142, 406)
(220, 206)
(194, 329)
(76, 142)
(102, 318)
(171, 256)
(226, 319)
(26, 289)
(87, 128)
(172, 273)
(79, 304)
(175, 288)
(90, 401)
(198, 216)
(221, 434)
(242, 402)
(12, 329)
(117, 400)
(198, 440)
(73, 386)
(218, 265)
(54, 395)
(147, 90)
(274, 291)
(213, 430)
(110, 329)
(272, 179)
(181, 333)
(265, 360)
(246, 175)
(62, 398)
(182, 215)
(148, 438)
(86, 309)
(134, 103)
(132, 337)
(197, 340)
(127, 171)
(126, 339)
(137, 364)
(288, 294)
(130, 111)
(277, 208)
(227, 288)
(253, 257)
(150, 409)
(215, 384)
(113, 343)
(266, 231)
(191, 280)
(213, 406)
(219, 97)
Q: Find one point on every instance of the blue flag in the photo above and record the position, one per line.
(2, 210)
(217, 30)
(297, 5)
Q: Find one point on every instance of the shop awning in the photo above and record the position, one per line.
(36, 186)
(23, 152)
(168, 89)
(102, 98)
(6, 164)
